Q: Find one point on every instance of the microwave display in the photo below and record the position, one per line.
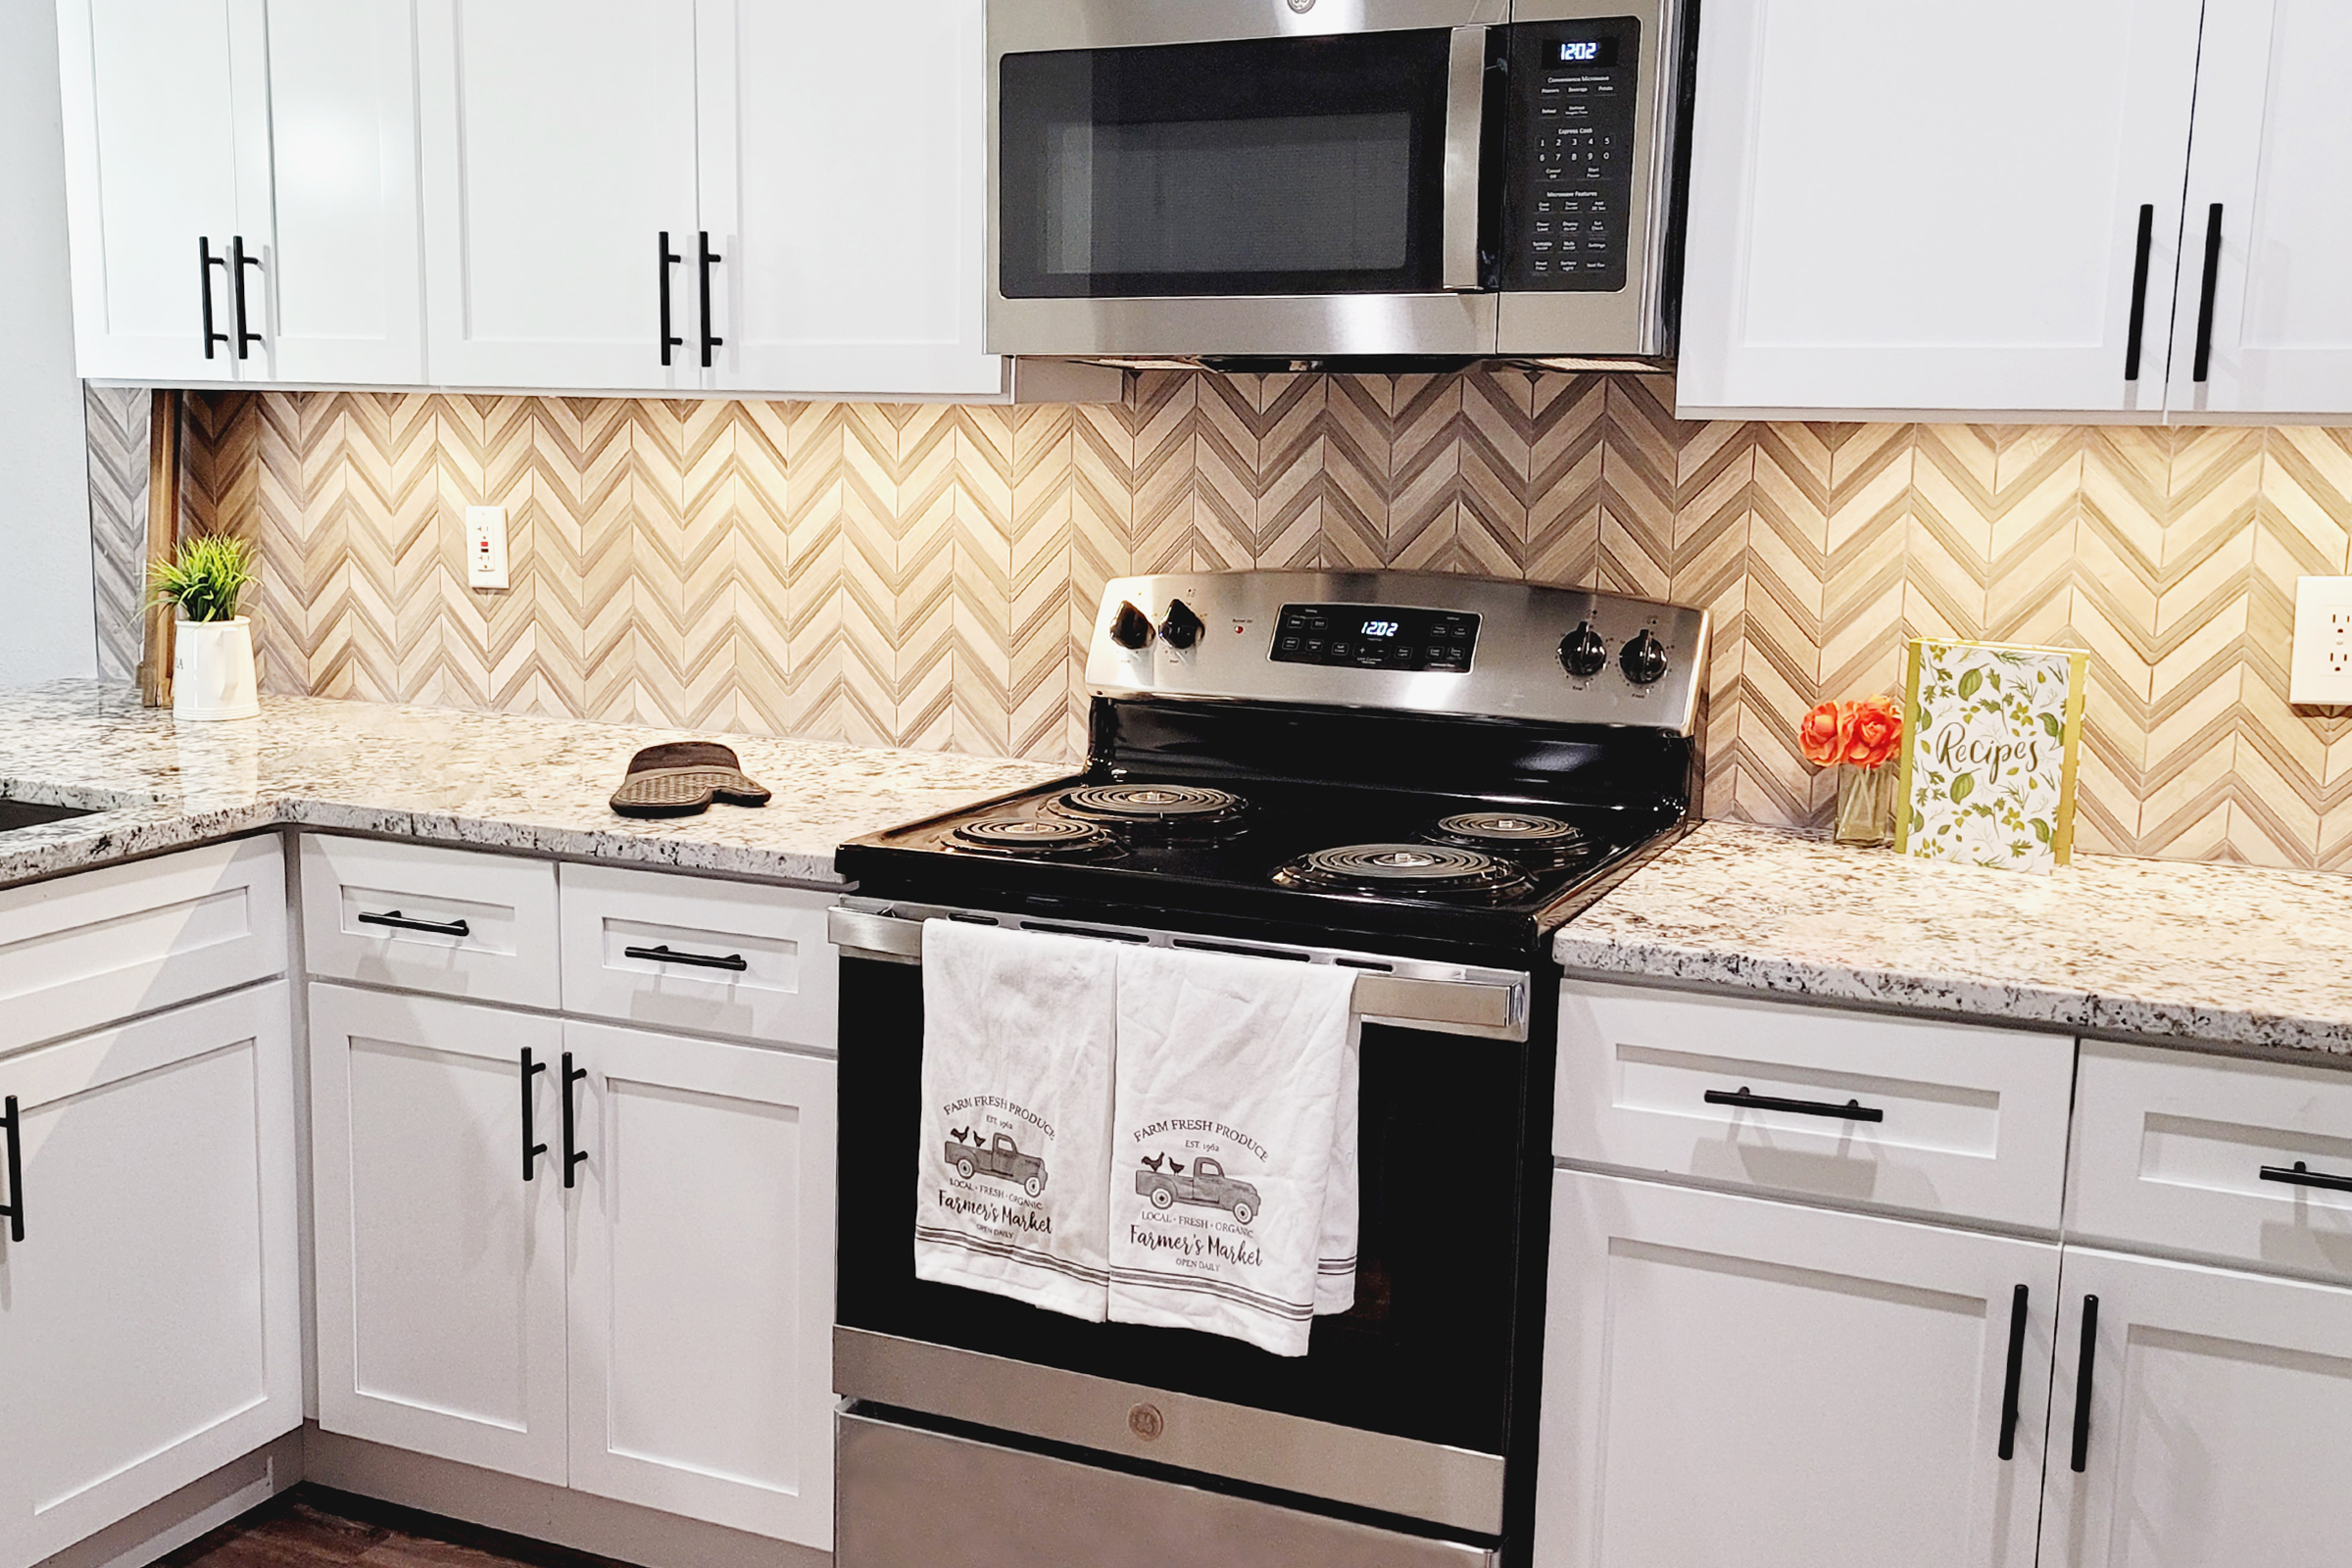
(1585, 52)
(1574, 95)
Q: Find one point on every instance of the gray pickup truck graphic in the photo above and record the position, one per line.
(999, 1156)
(1205, 1185)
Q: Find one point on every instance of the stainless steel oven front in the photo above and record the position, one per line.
(1333, 180)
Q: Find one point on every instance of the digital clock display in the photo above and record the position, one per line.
(1381, 628)
(1585, 52)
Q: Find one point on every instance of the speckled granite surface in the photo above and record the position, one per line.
(2148, 949)
(484, 780)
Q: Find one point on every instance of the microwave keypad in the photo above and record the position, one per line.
(1574, 92)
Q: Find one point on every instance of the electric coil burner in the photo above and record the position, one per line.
(1420, 778)
(1407, 871)
(1538, 843)
(1040, 838)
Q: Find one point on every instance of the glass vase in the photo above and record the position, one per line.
(1866, 805)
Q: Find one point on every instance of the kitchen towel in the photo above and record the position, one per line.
(1233, 1196)
(1013, 1158)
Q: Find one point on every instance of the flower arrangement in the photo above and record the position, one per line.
(1859, 739)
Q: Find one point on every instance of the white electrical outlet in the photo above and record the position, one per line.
(2321, 674)
(486, 547)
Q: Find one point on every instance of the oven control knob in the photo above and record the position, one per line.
(1182, 629)
(1131, 628)
(1583, 654)
(1643, 659)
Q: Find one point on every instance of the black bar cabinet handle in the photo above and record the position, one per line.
(708, 256)
(13, 1209)
(2213, 283)
(2303, 1175)
(1852, 1110)
(572, 1153)
(532, 1151)
(2014, 1382)
(2139, 293)
(2083, 1371)
(669, 259)
(239, 261)
(204, 253)
(735, 963)
(398, 921)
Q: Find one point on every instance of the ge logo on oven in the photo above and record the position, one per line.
(1302, 7)
(1145, 1420)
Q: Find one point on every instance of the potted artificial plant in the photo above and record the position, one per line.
(212, 659)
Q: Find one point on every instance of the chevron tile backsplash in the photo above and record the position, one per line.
(925, 575)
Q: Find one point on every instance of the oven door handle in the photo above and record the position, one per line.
(1465, 156)
(1486, 1007)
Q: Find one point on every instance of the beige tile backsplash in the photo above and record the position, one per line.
(926, 575)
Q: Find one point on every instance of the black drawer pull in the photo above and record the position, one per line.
(2205, 298)
(212, 336)
(398, 921)
(2304, 1176)
(13, 1209)
(238, 260)
(572, 1153)
(532, 1150)
(709, 339)
(735, 963)
(1852, 1110)
(2013, 1384)
(669, 260)
(2139, 293)
(2090, 1354)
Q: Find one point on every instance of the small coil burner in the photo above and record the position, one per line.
(1538, 843)
(1041, 838)
(1162, 810)
(1407, 871)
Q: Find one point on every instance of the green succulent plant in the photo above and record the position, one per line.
(206, 578)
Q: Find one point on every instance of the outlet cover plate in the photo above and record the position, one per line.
(486, 547)
(2321, 674)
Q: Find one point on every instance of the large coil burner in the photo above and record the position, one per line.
(1408, 871)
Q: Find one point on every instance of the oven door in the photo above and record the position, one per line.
(1402, 1405)
(1305, 177)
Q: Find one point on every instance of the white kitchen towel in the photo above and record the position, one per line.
(1013, 1158)
(1234, 1104)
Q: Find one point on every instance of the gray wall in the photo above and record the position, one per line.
(47, 624)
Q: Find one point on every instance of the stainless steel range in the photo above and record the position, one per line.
(1418, 777)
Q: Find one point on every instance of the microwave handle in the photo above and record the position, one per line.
(1465, 155)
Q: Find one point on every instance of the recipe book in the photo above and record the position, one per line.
(1990, 738)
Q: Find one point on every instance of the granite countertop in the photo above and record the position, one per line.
(488, 781)
(2153, 949)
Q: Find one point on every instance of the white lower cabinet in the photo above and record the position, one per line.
(150, 1312)
(2218, 1417)
(1736, 1383)
(658, 1330)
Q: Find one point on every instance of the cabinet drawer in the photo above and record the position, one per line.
(422, 919)
(721, 958)
(2171, 1150)
(1930, 1119)
(89, 950)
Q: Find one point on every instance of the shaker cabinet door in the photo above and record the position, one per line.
(2210, 1413)
(844, 181)
(1729, 1381)
(559, 147)
(702, 1282)
(150, 1311)
(440, 1242)
(2263, 321)
(1906, 205)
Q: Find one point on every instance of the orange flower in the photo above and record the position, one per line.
(1869, 732)
(1819, 735)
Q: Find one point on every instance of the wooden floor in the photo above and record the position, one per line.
(312, 1527)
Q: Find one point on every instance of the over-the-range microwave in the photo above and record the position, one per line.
(1339, 183)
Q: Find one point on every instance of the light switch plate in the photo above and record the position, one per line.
(2321, 674)
(486, 547)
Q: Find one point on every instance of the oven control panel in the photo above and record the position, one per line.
(1375, 637)
(1575, 89)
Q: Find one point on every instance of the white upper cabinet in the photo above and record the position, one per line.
(243, 190)
(1914, 205)
(558, 148)
(851, 217)
(2271, 333)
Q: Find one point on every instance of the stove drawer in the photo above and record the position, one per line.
(716, 958)
(913, 1498)
(2244, 1162)
(420, 917)
(1936, 1119)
